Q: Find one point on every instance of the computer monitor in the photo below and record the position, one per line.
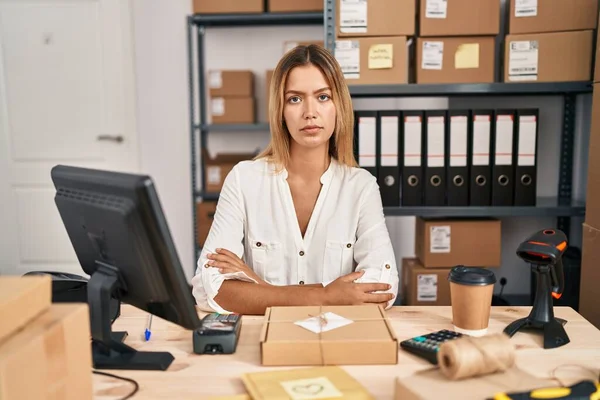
(117, 227)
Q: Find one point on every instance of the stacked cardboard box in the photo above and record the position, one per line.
(276, 6)
(232, 96)
(45, 350)
(456, 41)
(440, 245)
(372, 45)
(228, 6)
(550, 41)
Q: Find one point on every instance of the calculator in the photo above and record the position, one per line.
(218, 334)
(427, 346)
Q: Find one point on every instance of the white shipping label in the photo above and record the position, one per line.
(347, 53)
(523, 61)
(353, 16)
(439, 239)
(458, 141)
(435, 141)
(481, 140)
(526, 8)
(504, 140)
(367, 141)
(213, 175)
(433, 55)
(527, 139)
(215, 79)
(412, 141)
(218, 106)
(389, 141)
(436, 9)
(427, 287)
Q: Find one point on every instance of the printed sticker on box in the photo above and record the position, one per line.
(523, 60)
(218, 106)
(427, 287)
(347, 53)
(353, 16)
(526, 8)
(213, 175)
(215, 79)
(439, 239)
(433, 55)
(436, 9)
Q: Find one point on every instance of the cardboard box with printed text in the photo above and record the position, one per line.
(231, 83)
(459, 18)
(233, 110)
(424, 286)
(217, 168)
(375, 18)
(552, 16)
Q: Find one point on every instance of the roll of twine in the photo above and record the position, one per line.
(468, 356)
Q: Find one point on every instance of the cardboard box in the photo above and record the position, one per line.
(455, 60)
(376, 18)
(552, 16)
(295, 6)
(217, 168)
(446, 243)
(205, 213)
(592, 212)
(290, 44)
(373, 60)
(433, 384)
(22, 299)
(49, 359)
(590, 275)
(233, 110)
(597, 59)
(424, 286)
(228, 6)
(459, 18)
(549, 57)
(369, 339)
(231, 83)
(268, 91)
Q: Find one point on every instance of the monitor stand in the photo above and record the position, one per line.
(108, 349)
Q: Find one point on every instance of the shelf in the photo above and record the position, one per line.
(546, 207)
(260, 127)
(264, 19)
(467, 89)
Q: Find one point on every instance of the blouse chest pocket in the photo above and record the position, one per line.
(338, 259)
(267, 260)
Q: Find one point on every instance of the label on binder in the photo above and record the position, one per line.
(353, 16)
(367, 139)
(389, 141)
(458, 141)
(347, 53)
(433, 55)
(523, 61)
(435, 141)
(527, 136)
(481, 140)
(526, 8)
(427, 287)
(504, 140)
(412, 141)
(436, 9)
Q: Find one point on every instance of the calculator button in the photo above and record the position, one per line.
(420, 339)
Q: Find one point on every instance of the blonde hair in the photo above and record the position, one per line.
(341, 144)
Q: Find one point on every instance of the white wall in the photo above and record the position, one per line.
(162, 89)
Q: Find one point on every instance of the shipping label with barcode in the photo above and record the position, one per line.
(436, 9)
(523, 61)
(427, 287)
(433, 55)
(439, 239)
(526, 8)
(347, 53)
(353, 16)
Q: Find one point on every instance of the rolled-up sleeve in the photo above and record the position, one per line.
(226, 232)
(373, 251)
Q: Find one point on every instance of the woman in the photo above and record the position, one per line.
(292, 225)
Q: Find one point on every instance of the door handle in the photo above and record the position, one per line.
(117, 138)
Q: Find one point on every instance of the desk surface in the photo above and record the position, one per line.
(193, 376)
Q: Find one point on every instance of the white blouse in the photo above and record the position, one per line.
(256, 219)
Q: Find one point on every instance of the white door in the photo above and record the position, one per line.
(66, 97)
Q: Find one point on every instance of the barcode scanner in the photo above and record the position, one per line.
(543, 251)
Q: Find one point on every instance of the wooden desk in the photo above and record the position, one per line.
(193, 376)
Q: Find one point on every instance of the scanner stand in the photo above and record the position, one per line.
(541, 316)
(108, 349)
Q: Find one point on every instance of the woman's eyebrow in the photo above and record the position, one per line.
(316, 91)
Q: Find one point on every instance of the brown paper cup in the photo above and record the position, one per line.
(471, 291)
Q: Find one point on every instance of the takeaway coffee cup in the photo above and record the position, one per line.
(471, 290)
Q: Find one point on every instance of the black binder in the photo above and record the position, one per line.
(458, 150)
(389, 158)
(503, 170)
(366, 140)
(526, 157)
(435, 165)
(479, 158)
(412, 158)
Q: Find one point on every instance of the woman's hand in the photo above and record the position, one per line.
(228, 262)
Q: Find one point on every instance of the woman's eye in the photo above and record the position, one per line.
(294, 99)
(324, 97)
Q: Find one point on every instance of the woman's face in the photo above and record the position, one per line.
(308, 110)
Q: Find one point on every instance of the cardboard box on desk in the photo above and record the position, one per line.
(49, 359)
(374, 60)
(217, 168)
(549, 57)
(231, 83)
(376, 18)
(22, 299)
(445, 243)
(552, 16)
(368, 339)
(424, 286)
(459, 18)
(467, 59)
(228, 6)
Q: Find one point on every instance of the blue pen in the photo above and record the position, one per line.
(147, 332)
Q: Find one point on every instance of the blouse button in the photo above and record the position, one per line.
(349, 245)
(387, 266)
(301, 253)
(301, 282)
(258, 244)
